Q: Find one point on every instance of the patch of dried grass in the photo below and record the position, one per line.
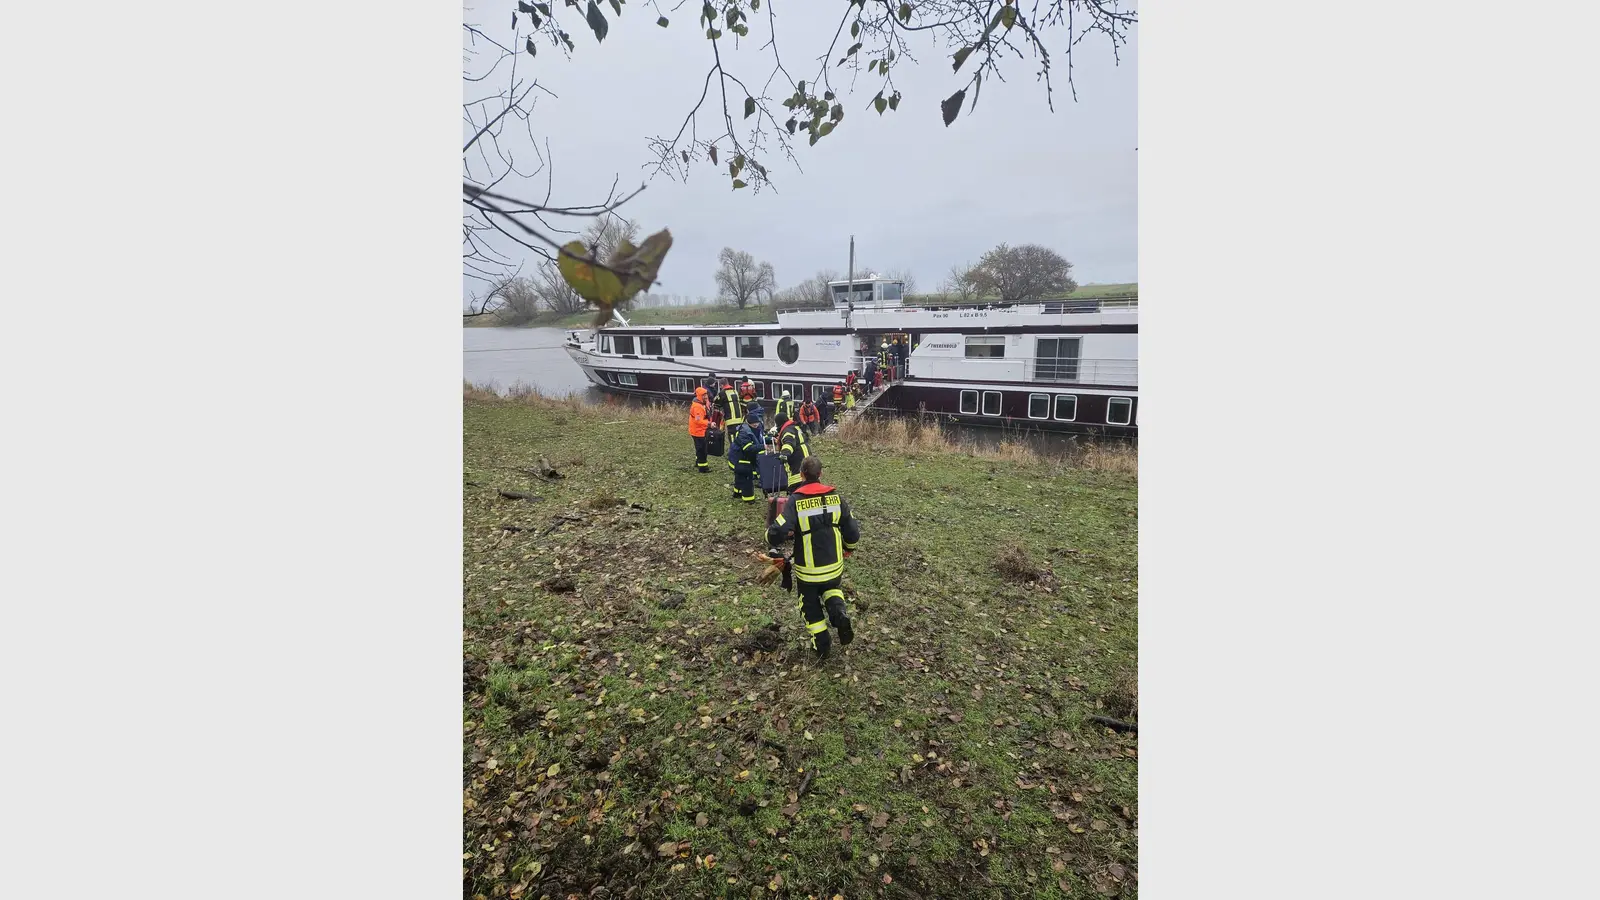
(1122, 699)
(1016, 565)
(912, 434)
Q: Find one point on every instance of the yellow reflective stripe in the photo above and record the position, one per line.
(817, 627)
(826, 573)
(833, 592)
(806, 542)
(849, 546)
(778, 521)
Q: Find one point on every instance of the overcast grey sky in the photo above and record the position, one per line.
(915, 194)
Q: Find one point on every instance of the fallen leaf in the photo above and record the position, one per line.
(669, 849)
(554, 770)
(700, 820)
(1117, 871)
(880, 820)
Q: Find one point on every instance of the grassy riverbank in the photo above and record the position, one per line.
(640, 712)
(727, 315)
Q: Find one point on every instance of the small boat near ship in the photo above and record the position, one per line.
(1056, 365)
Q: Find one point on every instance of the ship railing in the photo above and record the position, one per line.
(1083, 371)
(1042, 369)
(1047, 307)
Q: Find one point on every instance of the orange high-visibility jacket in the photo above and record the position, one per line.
(697, 414)
(809, 413)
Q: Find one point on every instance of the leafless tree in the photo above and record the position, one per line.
(602, 237)
(513, 300)
(811, 293)
(906, 276)
(958, 284)
(512, 211)
(1028, 272)
(553, 291)
(744, 132)
(740, 279)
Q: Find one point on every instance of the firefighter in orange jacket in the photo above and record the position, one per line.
(810, 416)
(698, 420)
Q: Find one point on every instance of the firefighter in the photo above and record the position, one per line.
(793, 447)
(732, 409)
(698, 420)
(747, 391)
(784, 409)
(744, 443)
(810, 417)
(817, 521)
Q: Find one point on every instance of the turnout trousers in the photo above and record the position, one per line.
(744, 486)
(822, 603)
(700, 463)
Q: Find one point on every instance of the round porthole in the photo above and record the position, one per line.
(788, 351)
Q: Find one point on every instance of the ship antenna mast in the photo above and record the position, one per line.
(850, 295)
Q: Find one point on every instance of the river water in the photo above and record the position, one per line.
(501, 358)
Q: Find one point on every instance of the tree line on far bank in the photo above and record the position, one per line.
(1010, 274)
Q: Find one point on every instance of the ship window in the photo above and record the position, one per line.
(969, 403)
(650, 346)
(819, 392)
(682, 346)
(749, 348)
(985, 346)
(1066, 407)
(714, 346)
(797, 391)
(623, 343)
(627, 378)
(991, 403)
(1038, 406)
(761, 390)
(680, 385)
(892, 291)
(1056, 359)
(1119, 411)
(605, 343)
(788, 350)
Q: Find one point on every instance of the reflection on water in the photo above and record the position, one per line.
(502, 358)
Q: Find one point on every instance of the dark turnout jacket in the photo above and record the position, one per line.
(816, 518)
(792, 444)
(743, 445)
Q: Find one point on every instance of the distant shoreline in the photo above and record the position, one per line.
(727, 315)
